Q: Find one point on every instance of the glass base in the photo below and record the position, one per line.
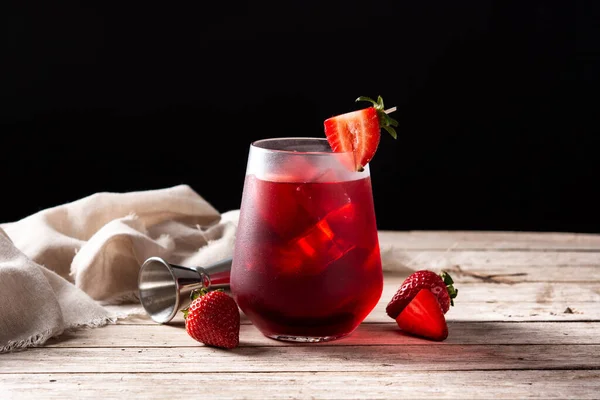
(306, 339)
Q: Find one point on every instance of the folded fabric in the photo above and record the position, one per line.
(62, 267)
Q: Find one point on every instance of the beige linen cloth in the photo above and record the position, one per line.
(72, 265)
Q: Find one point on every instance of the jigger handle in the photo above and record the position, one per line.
(217, 275)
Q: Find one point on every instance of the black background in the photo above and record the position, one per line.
(497, 102)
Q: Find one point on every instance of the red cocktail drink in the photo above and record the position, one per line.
(306, 265)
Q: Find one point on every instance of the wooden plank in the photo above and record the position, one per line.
(541, 292)
(491, 311)
(391, 384)
(508, 267)
(395, 259)
(366, 335)
(320, 358)
(517, 274)
(485, 311)
(529, 301)
(474, 240)
(513, 312)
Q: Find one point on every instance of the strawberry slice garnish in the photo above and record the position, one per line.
(423, 317)
(360, 131)
(442, 286)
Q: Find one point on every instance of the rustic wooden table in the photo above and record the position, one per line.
(526, 324)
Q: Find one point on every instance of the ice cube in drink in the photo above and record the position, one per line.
(310, 265)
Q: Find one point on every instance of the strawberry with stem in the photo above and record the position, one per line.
(441, 285)
(359, 131)
(213, 318)
(421, 302)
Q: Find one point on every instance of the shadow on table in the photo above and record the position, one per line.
(470, 345)
(459, 333)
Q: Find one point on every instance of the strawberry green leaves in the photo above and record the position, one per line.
(449, 282)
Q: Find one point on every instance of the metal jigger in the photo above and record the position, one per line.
(164, 289)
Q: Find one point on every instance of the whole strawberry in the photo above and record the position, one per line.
(213, 318)
(440, 285)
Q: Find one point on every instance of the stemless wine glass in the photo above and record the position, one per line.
(306, 264)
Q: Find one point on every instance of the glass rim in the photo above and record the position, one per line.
(257, 145)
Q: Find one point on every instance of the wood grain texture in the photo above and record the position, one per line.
(484, 301)
(402, 260)
(525, 325)
(483, 311)
(539, 292)
(367, 334)
(321, 358)
(482, 240)
(565, 384)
